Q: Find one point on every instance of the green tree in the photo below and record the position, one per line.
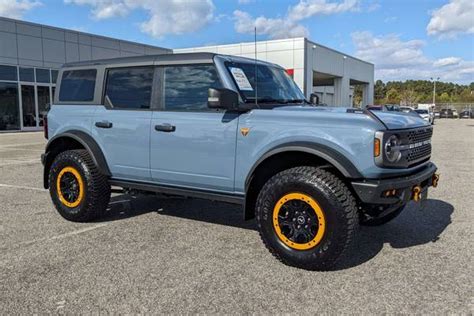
(444, 97)
(392, 97)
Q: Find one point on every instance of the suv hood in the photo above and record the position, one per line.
(400, 120)
(392, 120)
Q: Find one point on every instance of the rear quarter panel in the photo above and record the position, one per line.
(62, 118)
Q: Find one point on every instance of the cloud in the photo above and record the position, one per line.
(15, 9)
(396, 59)
(452, 19)
(289, 26)
(165, 16)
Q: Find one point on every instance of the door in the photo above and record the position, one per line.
(44, 100)
(191, 145)
(122, 126)
(28, 107)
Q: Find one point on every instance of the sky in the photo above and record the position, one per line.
(405, 39)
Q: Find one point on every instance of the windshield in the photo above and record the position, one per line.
(421, 111)
(274, 85)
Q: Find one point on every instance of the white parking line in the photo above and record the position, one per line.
(65, 235)
(12, 186)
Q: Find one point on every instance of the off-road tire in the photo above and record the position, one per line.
(378, 221)
(334, 199)
(96, 188)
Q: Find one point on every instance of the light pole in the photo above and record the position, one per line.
(434, 89)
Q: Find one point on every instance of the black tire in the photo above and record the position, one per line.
(336, 203)
(378, 221)
(79, 168)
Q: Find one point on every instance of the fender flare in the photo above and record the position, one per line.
(335, 158)
(86, 141)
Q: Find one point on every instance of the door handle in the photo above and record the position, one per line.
(167, 128)
(104, 124)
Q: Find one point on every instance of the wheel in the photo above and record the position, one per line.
(307, 217)
(378, 221)
(79, 192)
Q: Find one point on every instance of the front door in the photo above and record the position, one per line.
(191, 145)
(122, 126)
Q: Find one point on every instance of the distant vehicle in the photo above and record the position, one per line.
(425, 115)
(436, 114)
(455, 114)
(406, 109)
(430, 108)
(392, 107)
(375, 107)
(446, 113)
(466, 113)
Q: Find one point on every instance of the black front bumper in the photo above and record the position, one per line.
(372, 191)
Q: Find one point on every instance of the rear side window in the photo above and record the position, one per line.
(78, 85)
(129, 88)
(186, 87)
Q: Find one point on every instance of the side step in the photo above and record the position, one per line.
(171, 190)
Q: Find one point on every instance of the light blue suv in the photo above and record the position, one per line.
(235, 130)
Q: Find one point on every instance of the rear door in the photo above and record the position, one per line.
(122, 126)
(192, 145)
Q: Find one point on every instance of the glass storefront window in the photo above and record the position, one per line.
(9, 107)
(54, 76)
(28, 105)
(43, 102)
(27, 74)
(8, 73)
(42, 75)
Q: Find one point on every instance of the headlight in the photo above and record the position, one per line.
(392, 149)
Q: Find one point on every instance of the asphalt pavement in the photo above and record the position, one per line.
(157, 255)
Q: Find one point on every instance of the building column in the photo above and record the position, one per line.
(341, 92)
(368, 94)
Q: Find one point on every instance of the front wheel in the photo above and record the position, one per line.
(307, 217)
(79, 191)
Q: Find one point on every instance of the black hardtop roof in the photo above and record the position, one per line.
(163, 58)
(188, 57)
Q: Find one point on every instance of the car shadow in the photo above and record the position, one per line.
(414, 226)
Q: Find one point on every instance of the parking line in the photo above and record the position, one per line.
(21, 162)
(12, 186)
(65, 235)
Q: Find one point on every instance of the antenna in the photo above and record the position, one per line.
(256, 73)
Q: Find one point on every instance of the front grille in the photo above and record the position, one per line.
(418, 146)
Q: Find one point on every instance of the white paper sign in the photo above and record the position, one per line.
(241, 79)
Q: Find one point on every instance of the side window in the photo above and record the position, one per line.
(78, 85)
(186, 87)
(129, 88)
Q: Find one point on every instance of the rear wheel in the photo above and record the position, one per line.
(307, 217)
(79, 191)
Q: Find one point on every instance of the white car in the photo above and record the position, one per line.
(425, 115)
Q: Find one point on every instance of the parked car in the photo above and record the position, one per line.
(466, 113)
(201, 125)
(436, 114)
(446, 113)
(425, 115)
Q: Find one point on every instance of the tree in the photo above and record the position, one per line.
(392, 96)
(444, 97)
(408, 97)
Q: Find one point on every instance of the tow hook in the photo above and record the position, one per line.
(416, 193)
(434, 180)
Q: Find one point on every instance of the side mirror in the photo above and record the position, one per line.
(222, 99)
(314, 98)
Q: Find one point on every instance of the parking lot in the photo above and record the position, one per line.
(154, 255)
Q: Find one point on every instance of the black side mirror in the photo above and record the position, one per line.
(314, 98)
(222, 99)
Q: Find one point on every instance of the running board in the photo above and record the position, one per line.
(171, 190)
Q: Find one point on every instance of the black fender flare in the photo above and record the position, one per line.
(332, 156)
(86, 141)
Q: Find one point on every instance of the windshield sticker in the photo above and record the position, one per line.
(241, 79)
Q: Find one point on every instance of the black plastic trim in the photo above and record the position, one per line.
(86, 141)
(370, 191)
(173, 190)
(339, 161)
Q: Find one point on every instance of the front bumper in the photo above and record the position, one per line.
(373, 191)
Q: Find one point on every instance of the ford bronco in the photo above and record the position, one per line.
(236, 130)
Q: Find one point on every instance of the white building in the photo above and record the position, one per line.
(315, 68)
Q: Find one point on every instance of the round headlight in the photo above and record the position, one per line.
(392, 149)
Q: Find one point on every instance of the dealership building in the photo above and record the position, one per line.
(31, 54)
